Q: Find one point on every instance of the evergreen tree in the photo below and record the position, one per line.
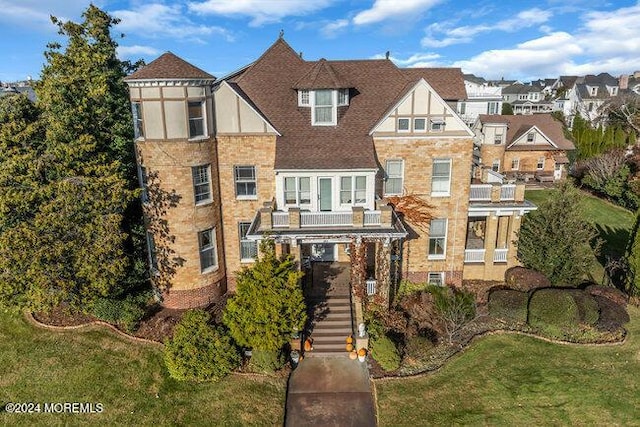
(66, 242)
(633, 259)
(507, 109)
(268, 305)
(556, 240)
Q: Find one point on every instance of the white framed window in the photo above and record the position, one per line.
(297, 190)
(138, 124)
(515, 164)
(208, 252)
(403, 124)
(436, 278)
(540, 164)
(142, 177)
(437, 125)
(303, 98)
(614, 91)
(437, 238)
(151, 247)
(394, 176)
(593, 90)
(324, 107)
(419, 125)
(245, 182)
(497, 139)
(492, 107)
(343, 97)
(353, 190)
(495, 165)
(201, 183)
(196, 119)
(463, 107)
(441, 177)
(248, 248)
(531, 136)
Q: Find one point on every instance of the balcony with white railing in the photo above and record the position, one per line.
(495, 193)
(474, 255)
(500, 255)
(295, 218)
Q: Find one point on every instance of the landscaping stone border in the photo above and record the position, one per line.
(29, 317)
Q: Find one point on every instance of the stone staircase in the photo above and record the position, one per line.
(331, 325)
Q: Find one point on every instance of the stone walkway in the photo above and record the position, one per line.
(327, 391)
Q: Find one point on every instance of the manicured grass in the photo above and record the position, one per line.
(518, 380)
(129, 379)
(612, 222)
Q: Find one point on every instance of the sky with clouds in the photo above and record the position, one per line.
(516, 40)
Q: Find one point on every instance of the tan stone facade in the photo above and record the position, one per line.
(418, 156)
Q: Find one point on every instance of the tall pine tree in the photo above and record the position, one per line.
(68, 242)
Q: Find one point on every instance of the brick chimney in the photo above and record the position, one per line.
(623, 82)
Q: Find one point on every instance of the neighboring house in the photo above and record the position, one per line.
(523, 147)
(526, 99)
(23, 87)
(309, 154)
(589, 93)
(482, 98)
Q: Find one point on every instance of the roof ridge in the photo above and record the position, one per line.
(279, 41)
(169, 66)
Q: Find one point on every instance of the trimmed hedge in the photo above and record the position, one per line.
(612, 315)
(553, 307)
(126, 313)
(525, 279)
(266, 361)
(384, 351)
(588, 309)
(508, 304)
(615, 295)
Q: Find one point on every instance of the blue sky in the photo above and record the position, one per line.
(512, 39)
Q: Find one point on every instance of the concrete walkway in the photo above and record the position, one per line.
(328, 391)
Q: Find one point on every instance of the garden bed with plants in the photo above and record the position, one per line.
(428, 325)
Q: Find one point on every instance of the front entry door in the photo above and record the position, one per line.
(557, 173)
(325, 194)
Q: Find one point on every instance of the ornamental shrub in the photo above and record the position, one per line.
(612, 316)
(199, 352)
(508, 304)
(525, 279)
(418, 347)
(588, 310)
(385, 352)
(126, 313)
(553, 307)
(266, 361)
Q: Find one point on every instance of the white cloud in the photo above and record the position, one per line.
(383, 10)
(332, 29)
(159, 20)
(464, 34)
(261, 11)
(136, 50)
(36, 13)
(415, 60)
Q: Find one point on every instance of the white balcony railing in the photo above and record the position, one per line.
(480, 192)
(280, 219)
(500, 255)
(325, 219)
(508, 192)
(371, 218)
(474, 255)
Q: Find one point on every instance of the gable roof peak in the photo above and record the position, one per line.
(169, 66)
(322, 75)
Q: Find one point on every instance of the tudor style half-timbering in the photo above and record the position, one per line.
(313, 154)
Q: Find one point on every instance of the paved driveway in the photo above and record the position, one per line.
(330, 391)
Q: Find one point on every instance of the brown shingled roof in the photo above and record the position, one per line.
(520, 124)
(270, 83)
(169, 66)
(321, 76)
(448, 82)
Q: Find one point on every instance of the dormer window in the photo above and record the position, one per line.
(324, 107)
(343, 97)
(593, 91)
(303, 98)
(613, 90)
(531, 136)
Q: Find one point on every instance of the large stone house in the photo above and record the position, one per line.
(312, 154)
(523, 147)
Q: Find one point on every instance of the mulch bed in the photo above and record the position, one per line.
(157, 325)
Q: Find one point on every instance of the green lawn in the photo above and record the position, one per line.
(129, 379)
(518, 380)
(612, 222)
